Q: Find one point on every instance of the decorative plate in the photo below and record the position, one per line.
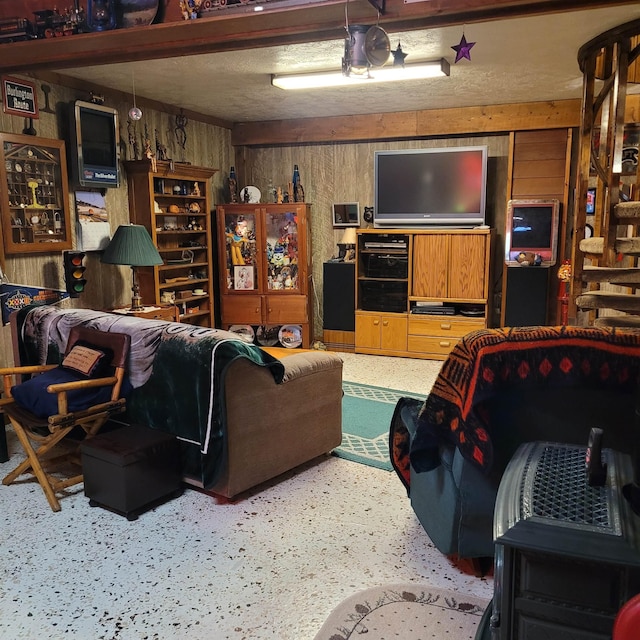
(267, 336)
(137, 13)
(254, 194)
(244, 332)
(290, 336)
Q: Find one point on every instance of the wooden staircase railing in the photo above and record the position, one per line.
(605, 274)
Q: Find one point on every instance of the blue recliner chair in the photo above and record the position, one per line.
(498, 389)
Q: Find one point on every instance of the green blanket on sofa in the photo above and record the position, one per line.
(176, 370)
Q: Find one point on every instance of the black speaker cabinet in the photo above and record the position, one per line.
(339, 296)
(525, 295)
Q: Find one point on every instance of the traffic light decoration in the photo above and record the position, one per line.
(74, 272)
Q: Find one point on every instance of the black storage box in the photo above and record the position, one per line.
(131, 469)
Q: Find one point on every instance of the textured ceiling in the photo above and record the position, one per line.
(517, 60)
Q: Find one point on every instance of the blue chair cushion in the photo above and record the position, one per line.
(33, 395)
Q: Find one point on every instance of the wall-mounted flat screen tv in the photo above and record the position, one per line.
(95, 152)
(532, 226)
(443, 187)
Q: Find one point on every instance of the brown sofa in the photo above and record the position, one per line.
(242, 416)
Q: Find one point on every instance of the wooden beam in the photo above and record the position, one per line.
(232, 31)
(410, 124)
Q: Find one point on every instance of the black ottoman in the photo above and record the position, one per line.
(131, 469)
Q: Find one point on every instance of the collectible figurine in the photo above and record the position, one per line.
(237, 239)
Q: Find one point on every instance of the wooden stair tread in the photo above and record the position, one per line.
(623, 276)
(628, 211)
(620, 322)
(592, 245)
(608, 300)
(626, 246)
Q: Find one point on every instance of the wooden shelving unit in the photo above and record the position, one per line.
(173, 203)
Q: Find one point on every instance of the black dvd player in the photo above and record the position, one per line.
(434, 311)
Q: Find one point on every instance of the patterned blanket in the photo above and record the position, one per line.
(494, 361)
(176, 371)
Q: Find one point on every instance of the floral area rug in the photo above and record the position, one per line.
(366, 418)
(407, 611)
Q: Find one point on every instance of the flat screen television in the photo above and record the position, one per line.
(532, 227)
(95, 151)
(430, 187)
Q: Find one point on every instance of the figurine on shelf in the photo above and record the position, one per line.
(161, 149)
(196, 189)
(148, 153)
(189, 9)
(279, 196)
(237, 239)
(133, 143)
(233, 186)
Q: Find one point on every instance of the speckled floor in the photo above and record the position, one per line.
(270, 566)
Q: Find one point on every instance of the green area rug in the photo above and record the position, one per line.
(366, 416)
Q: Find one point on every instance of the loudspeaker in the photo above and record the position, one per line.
(525, 296)
(338, 296)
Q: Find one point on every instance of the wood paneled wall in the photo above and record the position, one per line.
(344, 173)
(109, 286)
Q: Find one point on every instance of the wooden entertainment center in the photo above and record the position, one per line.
(418, 291)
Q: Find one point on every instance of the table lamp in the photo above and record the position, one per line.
(132, 245)
(347, 244)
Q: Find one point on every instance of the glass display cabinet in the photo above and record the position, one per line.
(34, 195)
(264, 269)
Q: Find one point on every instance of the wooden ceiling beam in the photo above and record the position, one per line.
(234, 31)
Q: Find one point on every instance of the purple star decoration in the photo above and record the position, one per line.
(463, 49)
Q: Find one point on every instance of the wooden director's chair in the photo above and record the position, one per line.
(84, 391)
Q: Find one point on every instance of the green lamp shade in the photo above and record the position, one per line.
(131, 245)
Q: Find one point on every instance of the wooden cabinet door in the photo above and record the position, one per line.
(368, 331)
(394, 333)
(430, 265)
(241, 309)
(285, 309)
(467, 266)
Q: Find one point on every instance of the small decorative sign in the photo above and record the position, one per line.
(19, 97)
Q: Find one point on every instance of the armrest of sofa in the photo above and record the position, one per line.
(308, 363)
(274, 427)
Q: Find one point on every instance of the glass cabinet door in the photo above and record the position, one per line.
(35, 197)
(282, 251)
(241, 251)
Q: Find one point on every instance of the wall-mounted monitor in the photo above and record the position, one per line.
(95, 151)
(346, 214)
(430, 187)
(532, 227)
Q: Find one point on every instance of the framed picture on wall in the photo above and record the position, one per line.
(346, 214)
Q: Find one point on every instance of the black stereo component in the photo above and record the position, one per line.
(385, 265)
(383, 296)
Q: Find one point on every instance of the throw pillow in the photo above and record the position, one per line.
(89, 360)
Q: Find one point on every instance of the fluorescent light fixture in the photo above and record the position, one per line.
(320, 79)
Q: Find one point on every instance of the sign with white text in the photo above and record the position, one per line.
(19, 97)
